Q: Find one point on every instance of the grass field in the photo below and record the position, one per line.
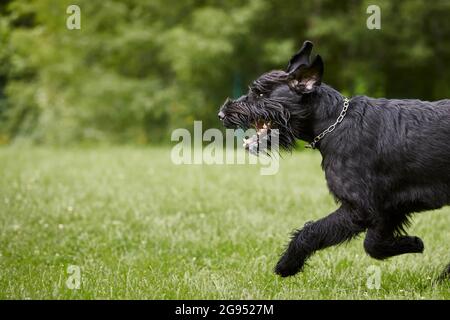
(141, 228)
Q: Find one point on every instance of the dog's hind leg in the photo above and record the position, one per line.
(381, 244)
(445, 275)
(331, 230)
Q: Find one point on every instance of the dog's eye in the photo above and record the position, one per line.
(261, 95)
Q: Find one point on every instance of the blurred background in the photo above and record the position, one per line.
(139, 69)
(86, 177)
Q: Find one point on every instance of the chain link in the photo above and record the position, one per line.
(331, 128)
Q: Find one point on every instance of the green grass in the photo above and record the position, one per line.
(141, 228)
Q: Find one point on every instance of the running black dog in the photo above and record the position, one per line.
(383, 159)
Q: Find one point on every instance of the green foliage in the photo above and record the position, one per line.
(138, 69)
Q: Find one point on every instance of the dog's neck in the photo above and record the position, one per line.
(325, 105)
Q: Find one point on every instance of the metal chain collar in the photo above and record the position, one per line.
(331, 128)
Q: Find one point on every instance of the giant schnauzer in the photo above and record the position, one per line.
(383, 159)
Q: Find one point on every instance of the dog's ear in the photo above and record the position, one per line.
(301, 58)
(306, 78)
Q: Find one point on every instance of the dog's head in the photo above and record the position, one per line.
(276, 101)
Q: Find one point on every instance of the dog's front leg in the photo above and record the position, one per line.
(332, 230)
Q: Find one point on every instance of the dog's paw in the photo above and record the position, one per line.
(288, 267)
(419, 245)
(415, 244)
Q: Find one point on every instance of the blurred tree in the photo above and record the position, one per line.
(138, 69)
(5, 63)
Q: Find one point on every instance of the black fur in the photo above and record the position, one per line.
(386, 160)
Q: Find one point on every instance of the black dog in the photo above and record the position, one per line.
(383, 159)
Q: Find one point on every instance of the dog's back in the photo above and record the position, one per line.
(402, 147)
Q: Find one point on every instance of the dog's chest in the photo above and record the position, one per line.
(347, 179)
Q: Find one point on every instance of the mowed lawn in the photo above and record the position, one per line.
(139, 227)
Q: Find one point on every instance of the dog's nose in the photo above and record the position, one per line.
(221, 115)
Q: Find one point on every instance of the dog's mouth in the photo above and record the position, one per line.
(259, 141)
